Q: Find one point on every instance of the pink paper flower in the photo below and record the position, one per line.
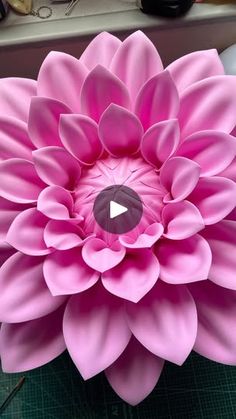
(122, 303)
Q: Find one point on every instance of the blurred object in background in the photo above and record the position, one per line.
(168, 8)
(228, 58)
(3, 9)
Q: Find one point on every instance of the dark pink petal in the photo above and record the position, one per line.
(100, 50)
(179, 176)
(43, 122)
(135, 373)
(55, 202)
(212, 150)
(12, 88)
(14, 139)
(145, 240)
(184, 261)
(24, 294)
(6, 251)
(62, 235)
(165, 321)
(100, 89)
(28, 345)
(19, 181)
(181, 220)
(65, 272)
(56, 166)
(101, 257)
(230, 171)
(208, 105)
(8, 210)
(136, 49)
(194, 67)
(215, 197)
(134, 276)
(95, 323)
(79, 135)
(160, 141)
(216, 334)
(26, 233)
(157, 101)
(61, 77)
(120, 131)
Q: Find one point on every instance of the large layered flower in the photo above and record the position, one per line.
(122, 303)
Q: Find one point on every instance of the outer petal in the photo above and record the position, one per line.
(95, 323)
(61, 77)
(66, 273)
(6, 252)
(56, 202)
(120, 131)
(137, 48)
(145, 240)
(14, 140)
(100, 257)
(29, 345)
(24, 294)
(134, 277)
(157, 101)
(100, 50)
(12, 88)
(165, 321)
(135, 373)
(230, 171)
(62, 235)
(216, 335)
(184, 261)
(8, 211)
(100, 89)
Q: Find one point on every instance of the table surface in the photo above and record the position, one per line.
(200, 389)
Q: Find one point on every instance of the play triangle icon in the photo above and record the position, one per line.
(116, 209)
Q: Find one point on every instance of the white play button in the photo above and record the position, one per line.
(116, 209)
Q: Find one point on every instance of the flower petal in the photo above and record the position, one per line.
(61, 77)
(66, 273)
(134, 277)
(26, 233)
(145, 240)
(8, 210)
(62, 235)
(216, 335)
(184, 261)
(56, 166)
(157, 101)
(55, 202)
(215, 197)
(28, 345)
(12, 88)
(43, 122)
(14, 140)
(135, 373)
(208, 105)
(120, 131)
(95, 323)
(100, 89)
(101, 257)
(179, 176)
(230, 171)
(181, 220)
(6, 252)
(165, 321)
(136, 48)
(100, 50)
(19, 181)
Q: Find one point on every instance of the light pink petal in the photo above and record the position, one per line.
(157, 101)
(194, 67)
(79, 135)
(95, 323)
(126, 131)
(230, 171)
(61, 77)
(101, 257)
(26, 233)
(215, 197)
(100, 50)
(134, 277)
(12, 88)
(100, 89)
(62, 235)
(56, 166)
(216, 335)
(181, 220)
(43, 122)
(24, 294)
(29, 345)
(208, 105)
(136, 49)
(212, 150)
(56, 202)
(184, 261)
(19, 181)
(160, 141)
(6, 251)
(135, 373)
(65, 272)
(179, 176)
(165, 321)
(8, 210)
(14, 140)
(145, 240)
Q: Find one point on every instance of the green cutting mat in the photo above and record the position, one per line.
(199, 389)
